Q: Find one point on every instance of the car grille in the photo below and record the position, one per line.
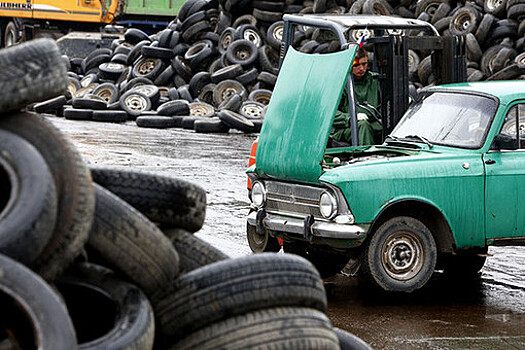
(293, 199)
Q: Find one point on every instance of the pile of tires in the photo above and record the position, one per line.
(214, 67)
(494, 31)
(106, 258)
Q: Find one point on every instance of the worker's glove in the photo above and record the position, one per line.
(362, 116)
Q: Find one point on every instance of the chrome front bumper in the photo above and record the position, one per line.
(316, 228)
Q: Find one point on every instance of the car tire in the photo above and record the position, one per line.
(131, 244)
(118, 313)
(306, 329)
(236, 286)
(76, 201)
(415, 253)
(261, 243)
(36, 72)
(210, 125)
(169, 201)
(26, 296)
(29, 202)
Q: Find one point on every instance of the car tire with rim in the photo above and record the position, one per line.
(400, 256)
(134, 103)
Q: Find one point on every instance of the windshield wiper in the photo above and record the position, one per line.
(420, 138)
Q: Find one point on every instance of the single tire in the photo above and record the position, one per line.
(201, 109)
(474, 52)
(111, 70)
(243, 52)
(485, 26)
(36, 301)
(135, 36)
(197, 83)
(11, 36)
(131, 244)
(233, 103)
(148, 67)
(269, 59)
(134, 103)
(107, 91)
(50, 106)
(495, 7)
(261, 243)
(267, 78)
(183, 69)
(305, 329)
(210, 125)
(157, 52)
(252, 110)
(28, 204)
(151, 90)
(174, 107)
(76, 200)
(89, 101)
(260, 95)
(249, 32)
(170, 201)
(228, 72)
(464, 21)
(78, 114)
(226, 89)
(348, 341)
(123, 313)
(36, 72)
(400, 256)
(158, 122)
(237, 286)
(236, 121)
(193, 251)
(110, 116)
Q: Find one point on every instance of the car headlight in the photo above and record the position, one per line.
(258, 194)
(327, 205)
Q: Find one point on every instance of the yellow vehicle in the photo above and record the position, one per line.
(25, 19)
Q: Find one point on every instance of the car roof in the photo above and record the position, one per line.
(504, 90)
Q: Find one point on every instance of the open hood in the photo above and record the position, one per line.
(299, 118)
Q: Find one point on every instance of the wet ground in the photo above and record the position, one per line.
(486, 313)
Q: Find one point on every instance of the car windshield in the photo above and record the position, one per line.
(445, 118)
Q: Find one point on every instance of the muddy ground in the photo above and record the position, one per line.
(487, 313)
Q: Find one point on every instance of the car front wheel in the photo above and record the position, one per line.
(400, 256)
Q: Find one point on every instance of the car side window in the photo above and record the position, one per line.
(515, 117)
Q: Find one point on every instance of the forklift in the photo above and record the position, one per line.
(389, 39)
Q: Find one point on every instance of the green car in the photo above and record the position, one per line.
(443, 186)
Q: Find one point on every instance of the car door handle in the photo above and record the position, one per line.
(490, 161)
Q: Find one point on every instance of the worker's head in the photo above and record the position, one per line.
(360, 64)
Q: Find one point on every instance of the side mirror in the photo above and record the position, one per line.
(504, 142)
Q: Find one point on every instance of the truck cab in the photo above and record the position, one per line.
(441, 188)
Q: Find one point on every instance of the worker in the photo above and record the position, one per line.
(366, 91)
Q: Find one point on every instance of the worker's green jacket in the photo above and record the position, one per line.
(365, 90)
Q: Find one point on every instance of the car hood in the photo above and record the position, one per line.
(299, 118)
(380, 162)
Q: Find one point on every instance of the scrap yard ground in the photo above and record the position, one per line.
(488, 313)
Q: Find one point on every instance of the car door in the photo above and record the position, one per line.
(505, 181)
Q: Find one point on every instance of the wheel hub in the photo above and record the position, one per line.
(136, 103)
(402, 256)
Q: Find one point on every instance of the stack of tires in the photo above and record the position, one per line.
(214, 67)
(106, 258)
(494, 31)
